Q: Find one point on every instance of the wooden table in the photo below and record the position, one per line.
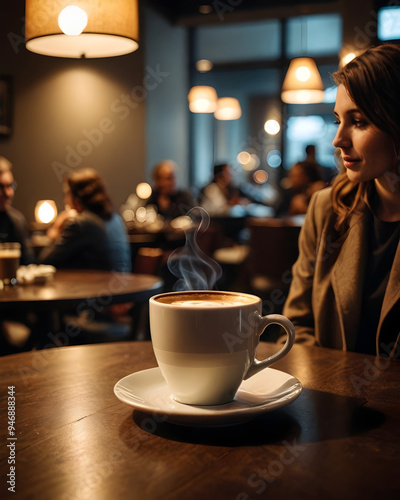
(70, 288)
(75, 440)
(77, 290)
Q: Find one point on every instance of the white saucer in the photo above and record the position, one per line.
(148, 392)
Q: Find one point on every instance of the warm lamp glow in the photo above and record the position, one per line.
(204, 65)
(249, 161)
(45, 211)
(82, 29)
(272, 127)
(72, 20)
(143, 190)
(347, 58)
(260, 176)
(202, 99)
(243, 157)
(303, 83)
(228, 108)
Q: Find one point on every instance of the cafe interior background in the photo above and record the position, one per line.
(121, 115)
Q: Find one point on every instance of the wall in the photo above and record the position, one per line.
(167, 112)
(70, 113)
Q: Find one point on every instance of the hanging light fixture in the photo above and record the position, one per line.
(303, 83)
(228, 108)
(202, 99)
(81, 28)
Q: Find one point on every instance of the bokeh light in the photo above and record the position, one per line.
(204, 65)
(260, 176)
(272, 127)
(274, 158)
(143, 190)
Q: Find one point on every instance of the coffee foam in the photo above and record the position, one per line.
(205, 299)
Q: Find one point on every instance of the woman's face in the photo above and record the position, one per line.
(367, 152)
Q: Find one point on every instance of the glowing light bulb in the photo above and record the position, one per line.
(72, 20)
(46, 212)
(243, 157)
(260, 176)
(204, 65)
(347, 58)
(303, 73)
(141, 214)
(143, 190)
(272, 127)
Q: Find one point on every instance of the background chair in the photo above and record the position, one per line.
(273, 250)
(120, 322)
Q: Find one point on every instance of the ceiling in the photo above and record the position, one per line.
(187, 12)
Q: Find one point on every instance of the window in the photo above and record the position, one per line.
(389, 23)
(250, 60)
(239, 42)
(314, 35)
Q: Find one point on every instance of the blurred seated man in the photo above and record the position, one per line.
(304, 180)
(14, 329)
(221, 194)
(169, 200)
(13, 226)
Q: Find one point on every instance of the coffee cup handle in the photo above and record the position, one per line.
(265, 321)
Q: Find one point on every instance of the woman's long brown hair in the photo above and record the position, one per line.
(372, 81)
(88, 188)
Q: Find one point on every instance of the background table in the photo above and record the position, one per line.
(76, 440)
(75, 291)
(70, 287)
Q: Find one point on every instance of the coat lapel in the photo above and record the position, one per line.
(392, 293)
(347, 278)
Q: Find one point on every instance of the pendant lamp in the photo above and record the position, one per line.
(202, 99)
(228, 108)
(82, 28)
(302, 83)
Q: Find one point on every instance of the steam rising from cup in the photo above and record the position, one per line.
(194, 269)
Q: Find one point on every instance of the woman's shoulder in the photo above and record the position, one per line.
(116, 221)
(88, 223)
(320, 209)
(321, 200)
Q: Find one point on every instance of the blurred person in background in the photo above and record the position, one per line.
(14, 328)
(220, 195)
(304, 180)
(327, 173)
(13, 225)
(169, 201)
(88, 234)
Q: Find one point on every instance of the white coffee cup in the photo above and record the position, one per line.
(205, 342)
(10, 254)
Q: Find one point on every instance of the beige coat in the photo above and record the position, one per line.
(324, 301)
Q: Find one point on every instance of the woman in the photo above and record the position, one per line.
(345, 292)
(88, 234)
